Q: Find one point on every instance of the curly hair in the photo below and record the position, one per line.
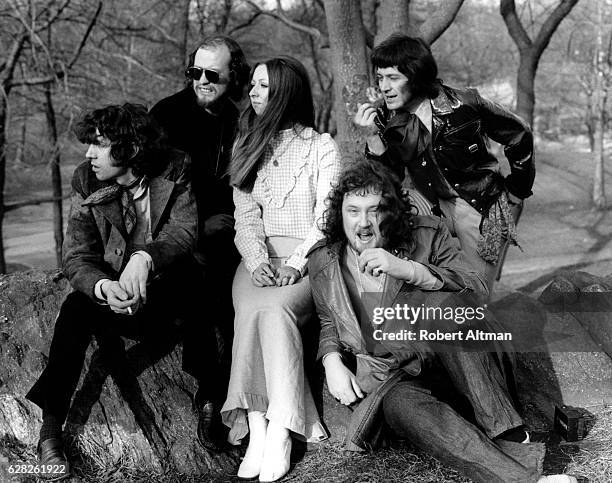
(133, 133)
(362, 177)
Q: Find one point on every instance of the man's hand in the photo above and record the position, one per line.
(133, 279)
(118, 299)
(378, 260)
(218, 223)
(364, 118)
(286, 275)
(341, 382)
(263, 276)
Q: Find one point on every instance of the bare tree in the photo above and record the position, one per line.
(349, 58)
(396, 16)
(24, 31)
(601, 75)
(530, 50)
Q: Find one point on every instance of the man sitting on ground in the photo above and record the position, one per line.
(375, 248)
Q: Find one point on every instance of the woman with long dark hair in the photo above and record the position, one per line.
(282, 170)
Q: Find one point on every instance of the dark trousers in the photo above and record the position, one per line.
(423, 411)
(218, 259)
(175, 309)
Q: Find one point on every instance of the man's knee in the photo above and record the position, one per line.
(403, 404)
(76, 312)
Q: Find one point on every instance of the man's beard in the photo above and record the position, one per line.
(213, 106)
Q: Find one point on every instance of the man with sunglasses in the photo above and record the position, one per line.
(201, 120)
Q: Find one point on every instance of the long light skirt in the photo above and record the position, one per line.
(267, 359)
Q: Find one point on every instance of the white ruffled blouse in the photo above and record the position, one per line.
(288, 197)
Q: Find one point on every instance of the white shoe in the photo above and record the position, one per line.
(558, 479)
(251, 463)
(277, 454)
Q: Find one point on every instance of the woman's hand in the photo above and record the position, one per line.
(341, 382)
(263, 276)
(287, 275)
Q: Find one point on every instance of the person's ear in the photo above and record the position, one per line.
(135, 151)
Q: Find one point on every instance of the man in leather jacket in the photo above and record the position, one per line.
(378, 255)
(438, 137)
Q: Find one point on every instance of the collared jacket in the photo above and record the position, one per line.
(463, 122)
(96, 244)
(208, 140)
(434, 247)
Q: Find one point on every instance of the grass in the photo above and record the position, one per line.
(589, 460)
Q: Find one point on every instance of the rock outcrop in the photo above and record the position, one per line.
(143, 415)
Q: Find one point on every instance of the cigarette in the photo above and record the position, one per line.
(129, 309)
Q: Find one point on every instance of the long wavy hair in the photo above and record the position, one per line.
(133, 133)
(362, 177)
(289, 105)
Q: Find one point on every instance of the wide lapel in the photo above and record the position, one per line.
(160, 190)
(341, 306)
(110, 208)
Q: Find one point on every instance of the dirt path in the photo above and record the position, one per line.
(558, 229)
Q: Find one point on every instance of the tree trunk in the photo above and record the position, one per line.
(349, 60)
(56, 175)
(392, 16)
(142, 416)
(525, 95)
(3, 127)
(368, 11)
(599, 104)
(530, 50)
(184, 47)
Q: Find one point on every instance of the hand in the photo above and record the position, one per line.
(377, 260)
(364, 118)
(287, 275)
(515, 205)
(341, 382)
(263, 276)
(133, 279)
(118, 299)
(218, 223)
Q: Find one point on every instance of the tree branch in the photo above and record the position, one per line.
(34, 201)
(507, 8)
(550, 25)
(246, 24)
(437, 23)
(11, 60)
(51, 20)
(37, 81)
(166, 35)
(90, 27)
(314, 32)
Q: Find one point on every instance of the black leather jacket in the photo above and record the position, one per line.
(462, 123)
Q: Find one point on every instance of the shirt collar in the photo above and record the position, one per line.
(424, 113)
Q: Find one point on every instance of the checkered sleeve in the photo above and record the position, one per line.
(250, 235)
(328, 168)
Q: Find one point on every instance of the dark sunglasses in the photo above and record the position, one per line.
(195, 73)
